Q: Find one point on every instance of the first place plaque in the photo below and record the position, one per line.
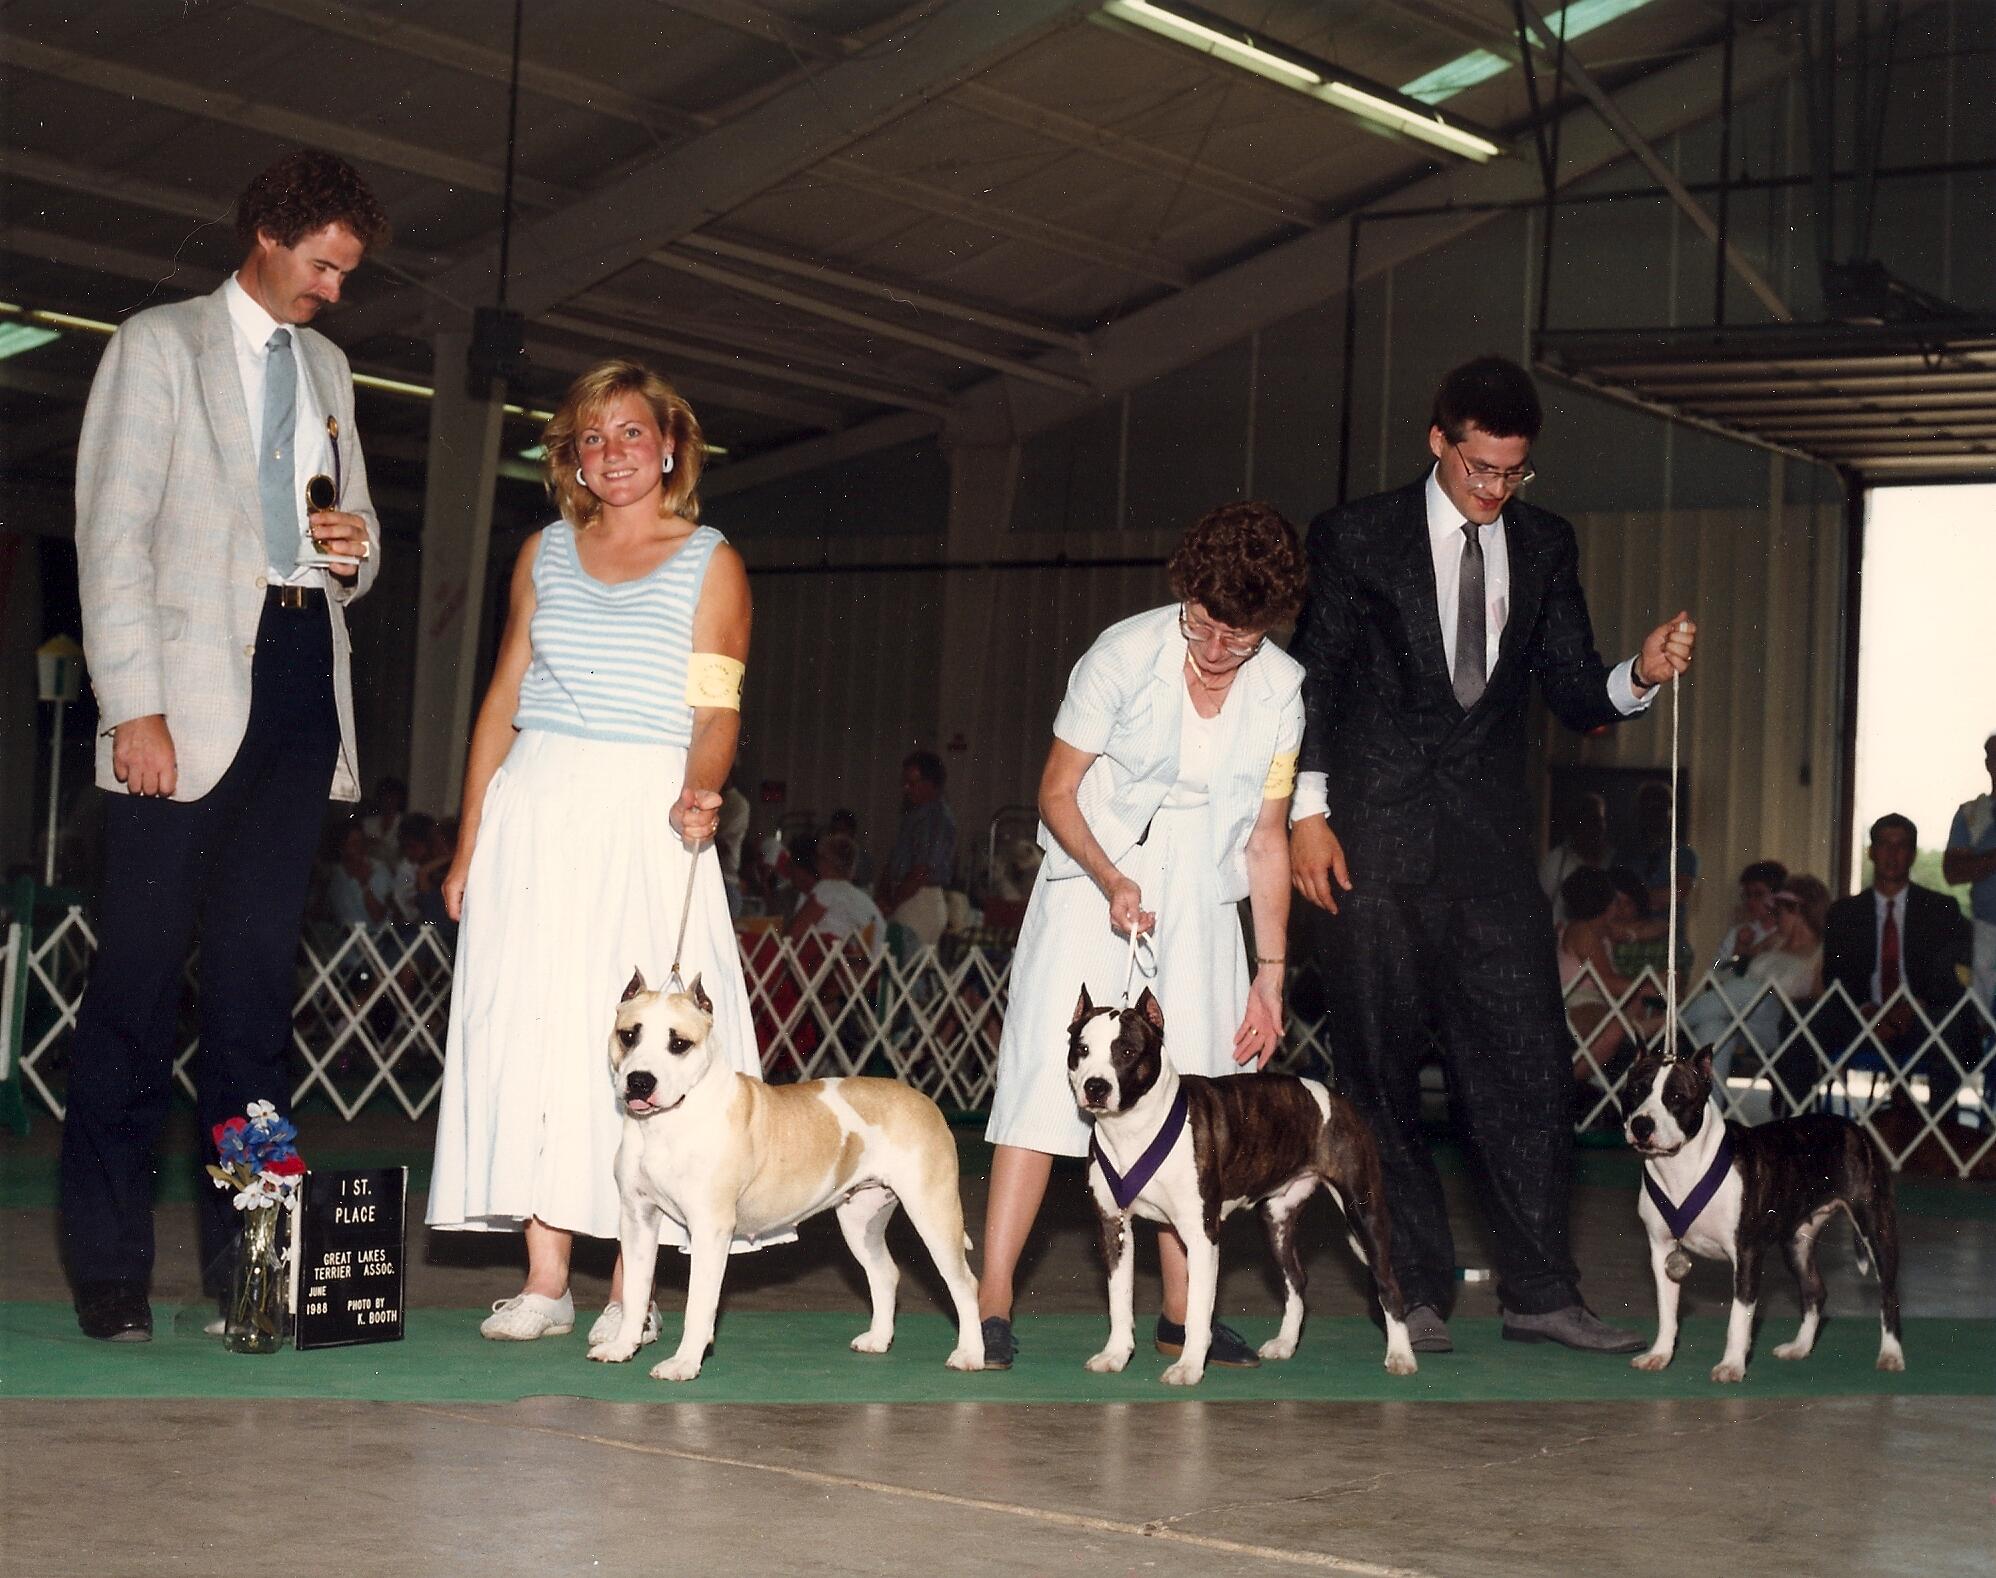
(352, 1257)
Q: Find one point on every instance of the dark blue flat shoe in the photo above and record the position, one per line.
(1000, 1346)
(1228, 1348)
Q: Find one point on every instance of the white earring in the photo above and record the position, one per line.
(668, 464)
(578, 478)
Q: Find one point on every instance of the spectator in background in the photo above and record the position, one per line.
(910, 889)
(1584, 847)
(1788, 962)
(360, 891)
(1599, 914)
(730, 834)
(846, 825)
(832, 906)
(1971, 859)
(1890, 947)
(1652, 860)
(384, 816)
(414, 835)
(1756, 925)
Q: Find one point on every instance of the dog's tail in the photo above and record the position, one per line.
(1860, 1245)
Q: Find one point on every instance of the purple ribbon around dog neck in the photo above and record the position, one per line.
(1678, 1218)
(1127, 1186)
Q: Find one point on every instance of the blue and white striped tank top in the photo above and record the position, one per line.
(610, 661)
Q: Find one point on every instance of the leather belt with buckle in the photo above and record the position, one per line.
(297, 596)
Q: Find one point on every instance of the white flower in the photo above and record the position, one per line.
(257, 1111)
(250, 1199)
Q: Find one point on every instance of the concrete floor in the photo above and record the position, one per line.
(557, 1485)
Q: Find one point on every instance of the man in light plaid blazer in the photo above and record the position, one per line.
(222, 526)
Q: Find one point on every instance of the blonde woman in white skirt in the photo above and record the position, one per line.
(592, 790)
(1164, 802)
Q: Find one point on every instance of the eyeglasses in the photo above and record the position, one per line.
(1492, 479)
(1200, 634)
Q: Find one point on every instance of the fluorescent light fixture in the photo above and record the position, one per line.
(1384, 107)
(1212, 35)
(16, 338)
(1429, 126)
(1480, 65)
(534, 452)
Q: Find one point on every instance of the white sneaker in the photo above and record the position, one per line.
(611, 1321)
(526, 1316)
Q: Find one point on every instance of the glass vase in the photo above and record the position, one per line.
(256, 1294)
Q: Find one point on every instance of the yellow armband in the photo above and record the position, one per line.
(714, 681)
(1281, 780)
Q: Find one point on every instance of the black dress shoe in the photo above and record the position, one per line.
(1228, 1348)
(114, 1311)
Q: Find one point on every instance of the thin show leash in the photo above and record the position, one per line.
(674, 982)
(1138, 939)
(1670, 949)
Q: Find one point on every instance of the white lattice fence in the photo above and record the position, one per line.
(369, 1022)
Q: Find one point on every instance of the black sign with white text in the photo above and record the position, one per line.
(351, 1257)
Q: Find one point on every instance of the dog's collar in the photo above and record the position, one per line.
(1678, 1217)
(1127, 1186)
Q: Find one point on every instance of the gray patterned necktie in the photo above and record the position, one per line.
(1470, 630)
(276, 471)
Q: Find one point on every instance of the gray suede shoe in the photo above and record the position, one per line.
(1427, 1332)
(1576, 1326)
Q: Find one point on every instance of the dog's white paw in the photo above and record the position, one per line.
(676, 1369)
(870, 1342)
(1278, 1348)
(966, 1358)
(1183, 1373)
(612, 1352)
(1655, 1359)
(1726, 1370)
(1891, 1359)
(1793, 1350)
(1110, 1361)
(1400, 1363)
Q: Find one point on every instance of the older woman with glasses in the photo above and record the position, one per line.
(1164, 802)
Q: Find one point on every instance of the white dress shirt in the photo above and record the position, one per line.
(1445, 542)
(311, 450)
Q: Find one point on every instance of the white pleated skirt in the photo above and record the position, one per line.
(1066, 942)
(576, 880)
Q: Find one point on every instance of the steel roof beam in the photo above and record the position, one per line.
(561, 255)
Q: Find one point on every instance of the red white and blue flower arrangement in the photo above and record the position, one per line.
(259, 1160)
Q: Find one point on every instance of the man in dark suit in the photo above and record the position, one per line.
(1433, 611)
(1892, 947)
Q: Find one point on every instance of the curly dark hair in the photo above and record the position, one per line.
(1242, 563)
(304, 192)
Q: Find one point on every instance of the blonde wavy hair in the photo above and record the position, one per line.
(584, 403)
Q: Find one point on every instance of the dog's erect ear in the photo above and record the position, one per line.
(1701, 1060)
(700, 998)
(637, 985)
(1083, 1007)
(1151, 1009)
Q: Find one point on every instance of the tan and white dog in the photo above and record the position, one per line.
(724, 1155)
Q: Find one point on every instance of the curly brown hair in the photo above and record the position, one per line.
(1243, 565)
(304, 192)
(585, 401)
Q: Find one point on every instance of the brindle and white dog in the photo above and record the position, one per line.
(1784, 1182)
(1266, 1140)
(727, 1155)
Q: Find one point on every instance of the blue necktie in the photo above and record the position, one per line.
(276, 472)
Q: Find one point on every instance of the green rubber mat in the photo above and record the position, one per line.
(803, 1358)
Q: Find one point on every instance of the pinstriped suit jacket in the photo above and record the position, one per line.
(169, 537)
(1422, 792)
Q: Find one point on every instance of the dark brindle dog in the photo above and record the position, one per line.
(1187, 1151)
(1733, 1193)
